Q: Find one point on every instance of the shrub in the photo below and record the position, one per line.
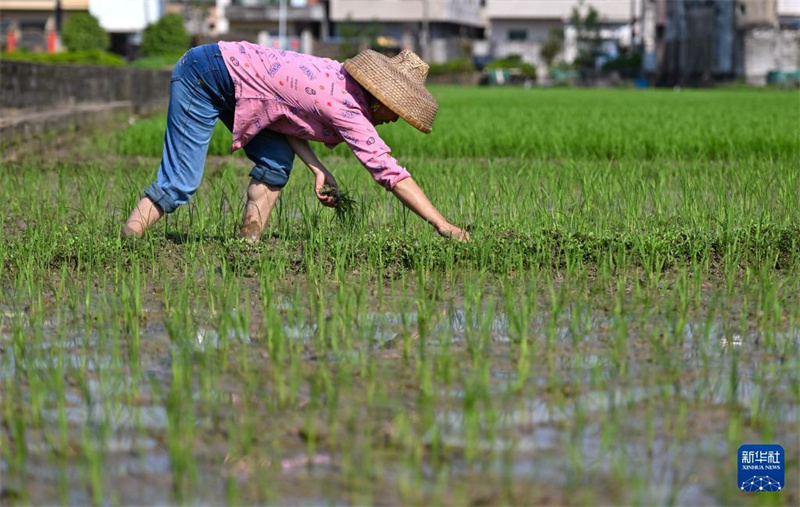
(455, 66)
(82, 32)
(158, 61)
(514, 62)
(94, 57)
(167, 36)
(627, 66)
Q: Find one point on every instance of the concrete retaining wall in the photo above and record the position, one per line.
(38, 99)
(38, 86)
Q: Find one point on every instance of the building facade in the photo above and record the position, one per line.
(705, 41)
(299, 25)
(440, 30)
(521, 27)
(773, 45)
(28, 22)
(125, 20)
(35, 23)
(200, 16)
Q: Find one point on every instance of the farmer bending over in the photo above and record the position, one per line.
(276, 101)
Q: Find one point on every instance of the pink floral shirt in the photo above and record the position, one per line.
(307, 97)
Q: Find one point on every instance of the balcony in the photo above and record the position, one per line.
(610, 11)
(260, 11)
(459, 12)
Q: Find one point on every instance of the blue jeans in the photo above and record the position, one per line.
(201, 92)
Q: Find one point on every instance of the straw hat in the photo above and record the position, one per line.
(398, 82)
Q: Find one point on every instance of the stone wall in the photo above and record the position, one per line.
(41, 87)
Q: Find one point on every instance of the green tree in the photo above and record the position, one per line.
(350, 40)
(514, 62)
(552, 45)
(167, 36)
(355, 36)
(370, 34)
(82, 32)
(588, 36)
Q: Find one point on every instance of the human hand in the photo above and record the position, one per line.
(326, 188)
(450, 231)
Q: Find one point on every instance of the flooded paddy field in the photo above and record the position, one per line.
(624, 319)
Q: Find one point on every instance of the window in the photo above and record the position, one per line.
(517, 35)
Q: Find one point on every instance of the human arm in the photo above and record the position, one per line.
(322, 176)
(363, 139)
(408, 192)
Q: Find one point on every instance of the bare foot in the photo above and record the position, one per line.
(144, 214)
(251, 232)
(261, 198)
(130, 233)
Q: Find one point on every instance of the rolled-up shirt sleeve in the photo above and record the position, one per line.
(362, 137)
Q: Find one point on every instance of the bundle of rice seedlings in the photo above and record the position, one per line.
(346, 207)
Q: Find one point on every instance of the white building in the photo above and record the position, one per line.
(438, 29)
(521, 26)
(125, 20)
(297, 24)
(29, 21)
(772, 43)
(125, 15)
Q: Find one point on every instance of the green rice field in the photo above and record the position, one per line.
(626, 315)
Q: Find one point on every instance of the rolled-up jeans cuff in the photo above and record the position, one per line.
(158, 196)
(275, 177)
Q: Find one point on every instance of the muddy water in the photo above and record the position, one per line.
(593, 419)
